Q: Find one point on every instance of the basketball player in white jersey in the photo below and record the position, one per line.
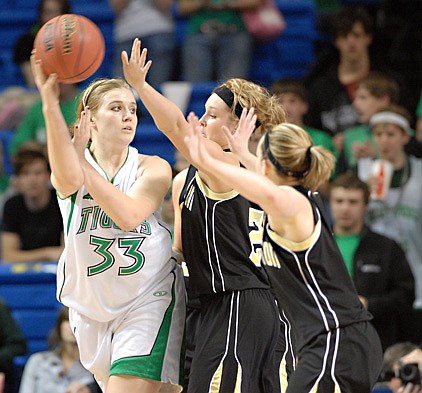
(124, 290)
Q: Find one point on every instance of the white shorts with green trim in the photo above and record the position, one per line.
(146, 342)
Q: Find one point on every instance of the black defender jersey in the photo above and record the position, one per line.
(221, 238)
(310, 279)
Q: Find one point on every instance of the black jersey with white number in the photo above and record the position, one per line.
(310, 279)
(221, 238)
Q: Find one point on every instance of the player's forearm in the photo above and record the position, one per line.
(248, 160)
(166, 114)
(63, 159)
(126, 212)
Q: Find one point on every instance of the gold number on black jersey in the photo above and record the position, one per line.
(256, 221)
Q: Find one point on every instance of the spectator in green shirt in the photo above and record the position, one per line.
(32, 127)
(373, 92)
(292, 95)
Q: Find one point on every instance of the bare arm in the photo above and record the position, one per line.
(67, 175)
(127, 210)
(167, 115)
(177, 187)
(11, 251)
(239, 139)
(289, 212)
(144, 198)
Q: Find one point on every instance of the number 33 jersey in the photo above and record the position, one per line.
(103, 268)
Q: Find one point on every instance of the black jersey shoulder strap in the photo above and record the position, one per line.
(189, 176)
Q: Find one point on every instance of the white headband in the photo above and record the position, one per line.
(390, 117)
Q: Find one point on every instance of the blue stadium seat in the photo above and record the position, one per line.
(290, 54)
(5, 138)
(200, 94)
(30, 292)
(149, 140)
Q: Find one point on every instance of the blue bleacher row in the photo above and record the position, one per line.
(288, 55)
(30, 292)
(148, 139)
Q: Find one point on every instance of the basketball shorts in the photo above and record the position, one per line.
(285, 354)
(346, 360)
(146, 342)
(235, 343)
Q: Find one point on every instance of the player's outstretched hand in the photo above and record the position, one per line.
(197, 148)
(47, 85)
(136, 68)
(238, 140)
(82, 133)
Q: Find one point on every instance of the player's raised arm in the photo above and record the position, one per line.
(67, 175)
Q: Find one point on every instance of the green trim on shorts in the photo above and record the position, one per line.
(182, 359)
(148, 366)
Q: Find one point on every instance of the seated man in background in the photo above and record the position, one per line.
(376, 263)
(32, 227)
(12, 343)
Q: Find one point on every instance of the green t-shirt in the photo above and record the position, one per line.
(4, 183)
(359, 134)
(419, 108)
(321, 138)
(328, 5)
(226, 17)
(348, 245)
(32, 127)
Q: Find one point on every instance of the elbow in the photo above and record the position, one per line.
(128, 224)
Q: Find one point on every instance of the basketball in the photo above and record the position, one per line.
(70, 45)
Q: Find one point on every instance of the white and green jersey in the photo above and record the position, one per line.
(103, 268)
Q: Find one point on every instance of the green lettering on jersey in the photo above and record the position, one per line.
(132, 247)
(102, 247)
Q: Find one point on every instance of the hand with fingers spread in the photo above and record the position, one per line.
(238, 140)
(47, 85)
(136, 68)
(82, 133)
(197, 148)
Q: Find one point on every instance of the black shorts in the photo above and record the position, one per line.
(285, 354)
(348, 359)
(235, 344)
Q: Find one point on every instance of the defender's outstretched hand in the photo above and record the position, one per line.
(47, 85)
(238, 140)
(136, 68)
(199, 154)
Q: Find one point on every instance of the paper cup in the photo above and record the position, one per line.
(365, 168)
(382, 173)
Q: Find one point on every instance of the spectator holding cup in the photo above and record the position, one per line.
(398, 214)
